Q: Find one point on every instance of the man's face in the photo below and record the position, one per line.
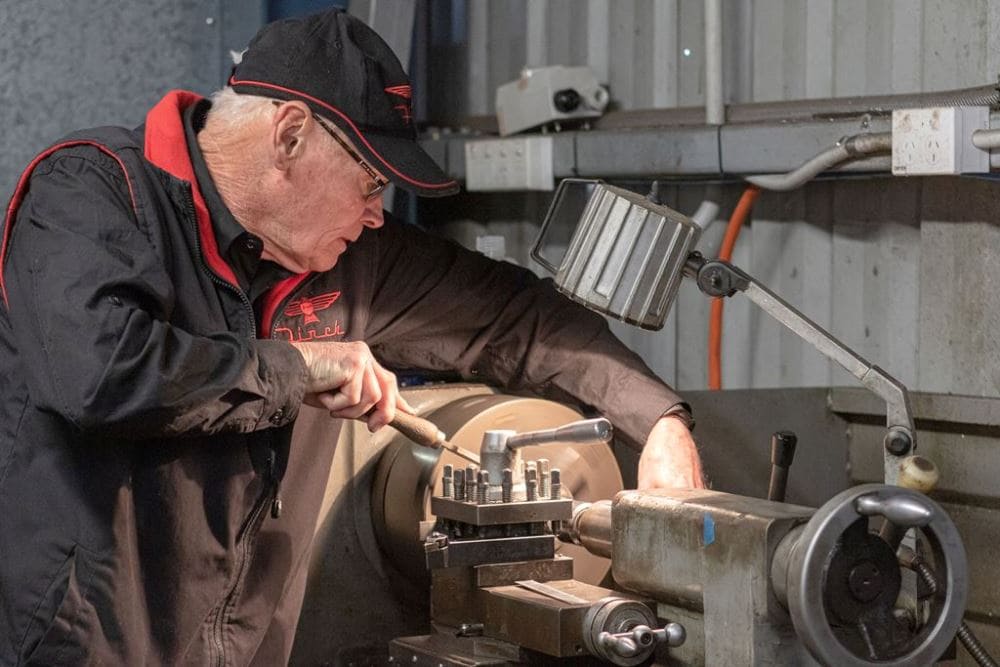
(325, 206)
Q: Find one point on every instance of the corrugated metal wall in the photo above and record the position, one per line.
(900, 269)
(650, 51)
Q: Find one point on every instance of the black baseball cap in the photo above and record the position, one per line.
(347, 74)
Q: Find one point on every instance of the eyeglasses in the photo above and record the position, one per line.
(378, 185)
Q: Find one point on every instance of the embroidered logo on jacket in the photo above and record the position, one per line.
(308, 305)
(405, 93)
(307, 308)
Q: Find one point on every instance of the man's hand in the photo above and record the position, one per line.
(346, 380)
(670, 460)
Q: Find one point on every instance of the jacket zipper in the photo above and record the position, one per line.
(250, 529)
(252, 523)
(272, 456)
(189, 204)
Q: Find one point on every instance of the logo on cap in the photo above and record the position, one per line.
(405, 92)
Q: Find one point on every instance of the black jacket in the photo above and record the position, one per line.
(147, 409)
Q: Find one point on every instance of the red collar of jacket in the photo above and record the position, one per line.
(166, 147)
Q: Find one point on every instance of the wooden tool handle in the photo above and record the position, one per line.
(418, 429)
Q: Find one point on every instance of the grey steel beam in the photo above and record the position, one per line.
(690, 150)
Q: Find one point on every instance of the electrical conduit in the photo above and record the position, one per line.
(740, 215)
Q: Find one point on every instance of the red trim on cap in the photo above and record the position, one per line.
(273, 299)
(433, 186)
(400, 91)
(166, 147)
(22, 189)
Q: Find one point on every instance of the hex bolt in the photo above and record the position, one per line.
(532, 484)
(543, 467)
(482, 484)
(507, 486)
(470, 484)
(446, 481)
(528, 467)
(555, 486)
(459, 485)
(897, 442)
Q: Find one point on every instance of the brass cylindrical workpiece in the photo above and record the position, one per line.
(590, 527)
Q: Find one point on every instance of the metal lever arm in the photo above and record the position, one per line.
(904, 511)
(581, 432)
(718, 278)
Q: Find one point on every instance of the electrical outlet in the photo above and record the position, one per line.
(515, 163)
(938, 140)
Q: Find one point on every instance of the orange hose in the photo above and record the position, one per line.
(740, 215)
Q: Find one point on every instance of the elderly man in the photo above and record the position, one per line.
(173, 294)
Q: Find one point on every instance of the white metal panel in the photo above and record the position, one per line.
(815, 236)
(768, 50)
(819, 54)
(774, 49)
(850, 41)
(877, 259)
(992, 28)
(622, 54)
(562, 34)
(509, 41)
(955, 43)
(878, 48)
(656, 52)
(907, 67)
(792, 256)
(598, 15)
(690, 26)
(768, 264)
(479, 95)
(959, 303)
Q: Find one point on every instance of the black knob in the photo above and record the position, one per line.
(782, 453)
(566, 100)
(897, 442)
(783, 448)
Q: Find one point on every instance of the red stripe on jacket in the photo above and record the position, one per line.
(22, 189)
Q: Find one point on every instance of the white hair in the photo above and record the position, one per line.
(234, 110)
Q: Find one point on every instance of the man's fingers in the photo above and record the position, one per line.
(352, 383)
(385, 409)
(344, 397)
(404, 405)
(326, 400)
(355, 405)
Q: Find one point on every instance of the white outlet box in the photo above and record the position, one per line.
(938, 140)
(516, 163)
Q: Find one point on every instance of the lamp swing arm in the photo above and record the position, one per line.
(718, 278)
